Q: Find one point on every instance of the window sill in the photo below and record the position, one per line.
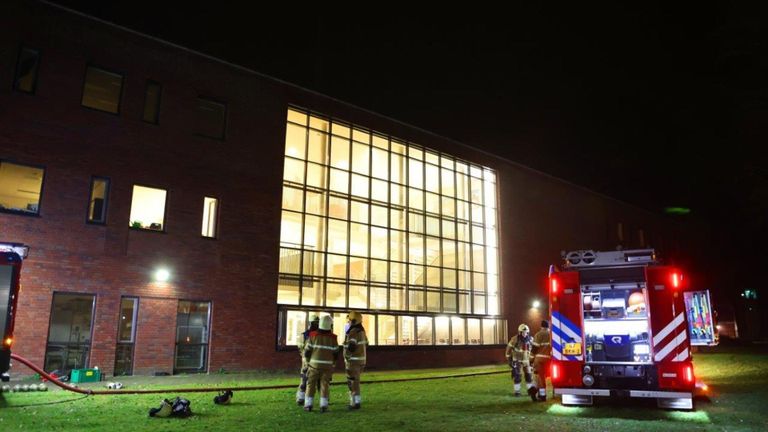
(19, 212)
(147, 230)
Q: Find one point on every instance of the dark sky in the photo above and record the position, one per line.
(655, 106)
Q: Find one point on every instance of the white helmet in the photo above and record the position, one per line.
(523, 328)
(326, 322)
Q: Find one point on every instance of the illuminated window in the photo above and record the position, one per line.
(20, 188)
(148, 208)
(192, 330)
(210, 216)
(373, 223)
(26, 70)
(102, 90)
(152, 102)
(97, 204)
(126, 336)
(70, 331)
(210, 119)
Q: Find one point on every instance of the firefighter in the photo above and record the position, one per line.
(321, 352)
(542, 342)
(355, 343)
(314, 319)
(518, 355)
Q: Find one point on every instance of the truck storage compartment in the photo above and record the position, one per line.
(616, 326)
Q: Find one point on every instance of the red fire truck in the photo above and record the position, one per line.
(620, 327)
(11, 256)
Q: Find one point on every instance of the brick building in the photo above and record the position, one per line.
(186, 214)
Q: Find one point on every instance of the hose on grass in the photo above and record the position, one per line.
(68, 387)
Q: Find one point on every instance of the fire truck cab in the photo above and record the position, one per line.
(620, 329)
(11, 256)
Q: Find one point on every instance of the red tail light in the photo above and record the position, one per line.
(688, 374)
(676, 278)
(553, 283)
(555, 371)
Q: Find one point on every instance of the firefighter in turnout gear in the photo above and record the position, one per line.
(518, 355)
(355, 343)
(314, 319)
(542, 341)
(321, 352)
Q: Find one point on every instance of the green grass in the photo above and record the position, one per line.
(739, 382)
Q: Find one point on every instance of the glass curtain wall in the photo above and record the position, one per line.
(400, 232)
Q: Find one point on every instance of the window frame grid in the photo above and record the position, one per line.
(460, 239)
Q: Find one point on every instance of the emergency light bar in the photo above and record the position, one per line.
(20, 249)
(588, 258)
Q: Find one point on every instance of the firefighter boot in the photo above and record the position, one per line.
(542, 395)
(356, 404)
(517, 389)
(323, 404)
(300, 398)
(308, 403)
(532, 392)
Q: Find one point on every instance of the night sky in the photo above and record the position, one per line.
(655, 106)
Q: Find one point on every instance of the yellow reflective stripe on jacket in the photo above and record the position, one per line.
(357, 336)
(326, 347)
(323, 349)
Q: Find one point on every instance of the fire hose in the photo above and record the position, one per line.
(68, 387)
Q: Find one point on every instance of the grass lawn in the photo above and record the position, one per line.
(738, 379)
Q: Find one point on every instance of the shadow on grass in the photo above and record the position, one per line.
(4, 403)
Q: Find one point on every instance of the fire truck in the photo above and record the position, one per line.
(622, 326)
(11, 256)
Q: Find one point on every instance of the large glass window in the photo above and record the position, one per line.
(377, 224)
(148, 208)
(102, 90)
(192, 324)
(126, 335)
(69, 334)
(20, 188)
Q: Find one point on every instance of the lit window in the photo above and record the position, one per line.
(148, 208)
(26, 70)
(373, 223)
(211, 118)
(20, 188)
(152, 102)
(210, 216)
(97, 204)
(102, 90)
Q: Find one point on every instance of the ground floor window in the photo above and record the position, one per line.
(126, 336)
(69, 334)
(401, 330)
(192, 326)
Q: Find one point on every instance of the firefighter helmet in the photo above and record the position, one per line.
(326, 322)
(355, 316)
(314, 318)
(523, 328)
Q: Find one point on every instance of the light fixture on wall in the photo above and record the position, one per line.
(535, 304)
(162, 275)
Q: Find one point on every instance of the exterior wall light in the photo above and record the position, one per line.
(162, 275)
(536, 304)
